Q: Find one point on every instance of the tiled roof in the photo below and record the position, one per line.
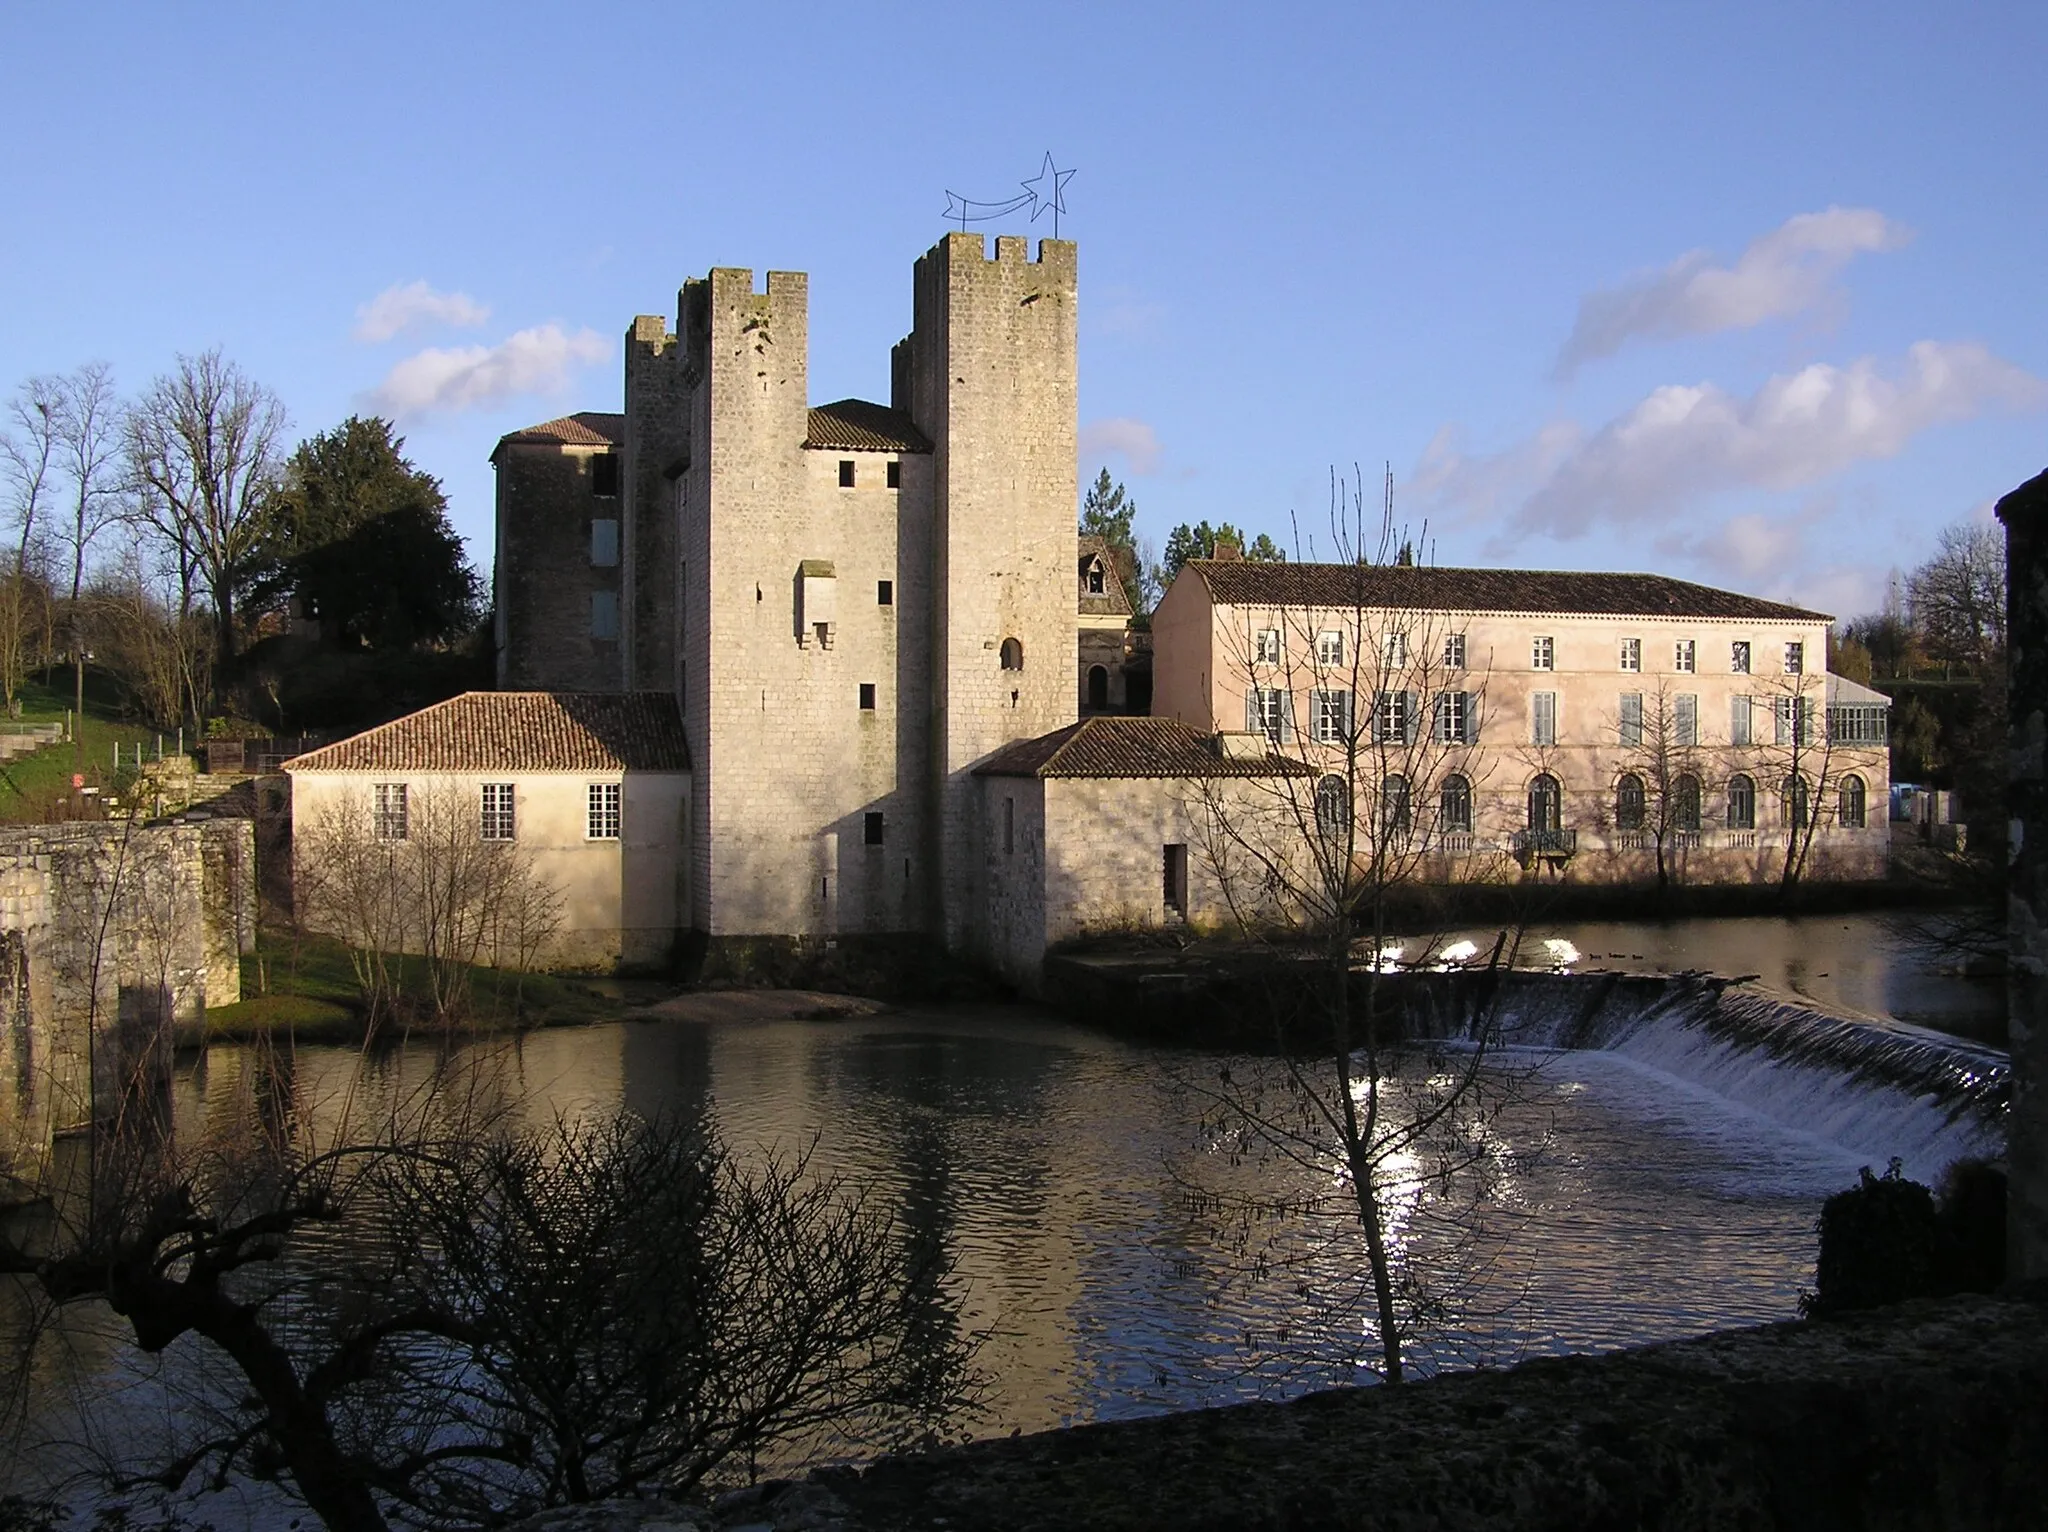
(1129, 747)
(854, 425)
(1114, 601)
(1423, 589)
(586, 428)
(518, 731)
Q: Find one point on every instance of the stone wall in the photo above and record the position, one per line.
(114, 935)
(989, 374)
(657, 445)
(544, 578)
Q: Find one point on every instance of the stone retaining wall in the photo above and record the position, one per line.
(1932, 1415)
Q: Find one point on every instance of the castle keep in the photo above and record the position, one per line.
(851, 604)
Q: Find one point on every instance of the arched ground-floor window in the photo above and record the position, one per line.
(1628, 804)
(1685, 803)
(1851, 805)
(1546, 803)
(1454, 807)
(1741, 803)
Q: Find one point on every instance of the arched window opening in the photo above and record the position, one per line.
(1797, 803)
(1628, 803)
(1396, 814)
(1685, 803)
(1013, 654)
(1851, 805)
(1741, 803)
(1333, 807)
(1546, 803)
(1095, 579)
(1098, 686)
(1455, 806)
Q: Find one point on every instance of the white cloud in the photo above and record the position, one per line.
(445, 380)
(1132, 440)
(414, 305)
(1781, 273)
(1649, 466)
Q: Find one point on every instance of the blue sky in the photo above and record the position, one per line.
(1751, 294)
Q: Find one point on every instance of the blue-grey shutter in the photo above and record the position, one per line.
(1251, 710)
(1738, 720)
(1287, 717)
(1471, 717)
(1348, 698)
(1688, 719)
(1631, 718)
(1411, 716)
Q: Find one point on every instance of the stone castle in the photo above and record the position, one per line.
(851, 603)
(769, 670)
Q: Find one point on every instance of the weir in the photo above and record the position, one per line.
(1875, 1086)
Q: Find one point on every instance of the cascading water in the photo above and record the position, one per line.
(1876, 1087)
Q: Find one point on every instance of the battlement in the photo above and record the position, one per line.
(1010, 250)
(650, 331)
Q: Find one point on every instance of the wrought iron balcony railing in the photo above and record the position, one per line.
(1558, 843)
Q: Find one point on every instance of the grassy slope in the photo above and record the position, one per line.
(309, 987)
(31, 784)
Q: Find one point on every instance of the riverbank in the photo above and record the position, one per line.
(1931, 1415)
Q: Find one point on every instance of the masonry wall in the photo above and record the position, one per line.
(111, 935)
(622, 901)
(789, 763)
(544, 577)
(656, 446)
(988, 372)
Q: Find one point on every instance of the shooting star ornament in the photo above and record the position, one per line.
(1046, 191)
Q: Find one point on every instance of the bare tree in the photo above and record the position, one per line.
(435, 1320)
(90, 434)
(1958, 596)
(204, 447)
(414, 874)
(1794, 743)
(1657, 795)
(29, 448)
(1377, 793)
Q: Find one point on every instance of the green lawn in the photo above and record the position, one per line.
(32, 785)
(308, 988)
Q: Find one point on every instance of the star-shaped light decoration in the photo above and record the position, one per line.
(1048, 189)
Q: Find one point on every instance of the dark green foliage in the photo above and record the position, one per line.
(1885, 1240)
(1970, 1233)
(362, 538)
(294, 684)
(1199, 541)
(1108, 512)
(1877, 1244)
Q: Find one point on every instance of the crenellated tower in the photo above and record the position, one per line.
(655, 451)
(988, 372)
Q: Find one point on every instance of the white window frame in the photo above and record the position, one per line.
(497, 812)
(1795, 658)
(389, 817)
(604, 818)
(1330, 647)
(1543, 718)
(1266, 646)
(1631, 655)
(1454, 651)
(1543, 654)
(1453, 723)
(1269, 708)
(1329, 716)
(1738, 657)
(1391, 717)
(1393, 650)
(1685, 656)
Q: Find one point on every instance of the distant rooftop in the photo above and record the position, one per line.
(586, 428)
(1130, 747)
(855, 425)
(518, 731)
(1240, 582)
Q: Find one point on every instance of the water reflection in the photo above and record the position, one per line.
(1037, 1154)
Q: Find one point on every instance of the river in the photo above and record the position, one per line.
(1641, 1203)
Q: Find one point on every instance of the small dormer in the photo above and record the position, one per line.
(1094, 576)
(1100, 590)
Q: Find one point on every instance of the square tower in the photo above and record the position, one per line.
(988, 373)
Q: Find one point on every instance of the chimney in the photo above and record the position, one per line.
(1228, 552)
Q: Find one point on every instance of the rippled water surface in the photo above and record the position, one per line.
(1045, 1156)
